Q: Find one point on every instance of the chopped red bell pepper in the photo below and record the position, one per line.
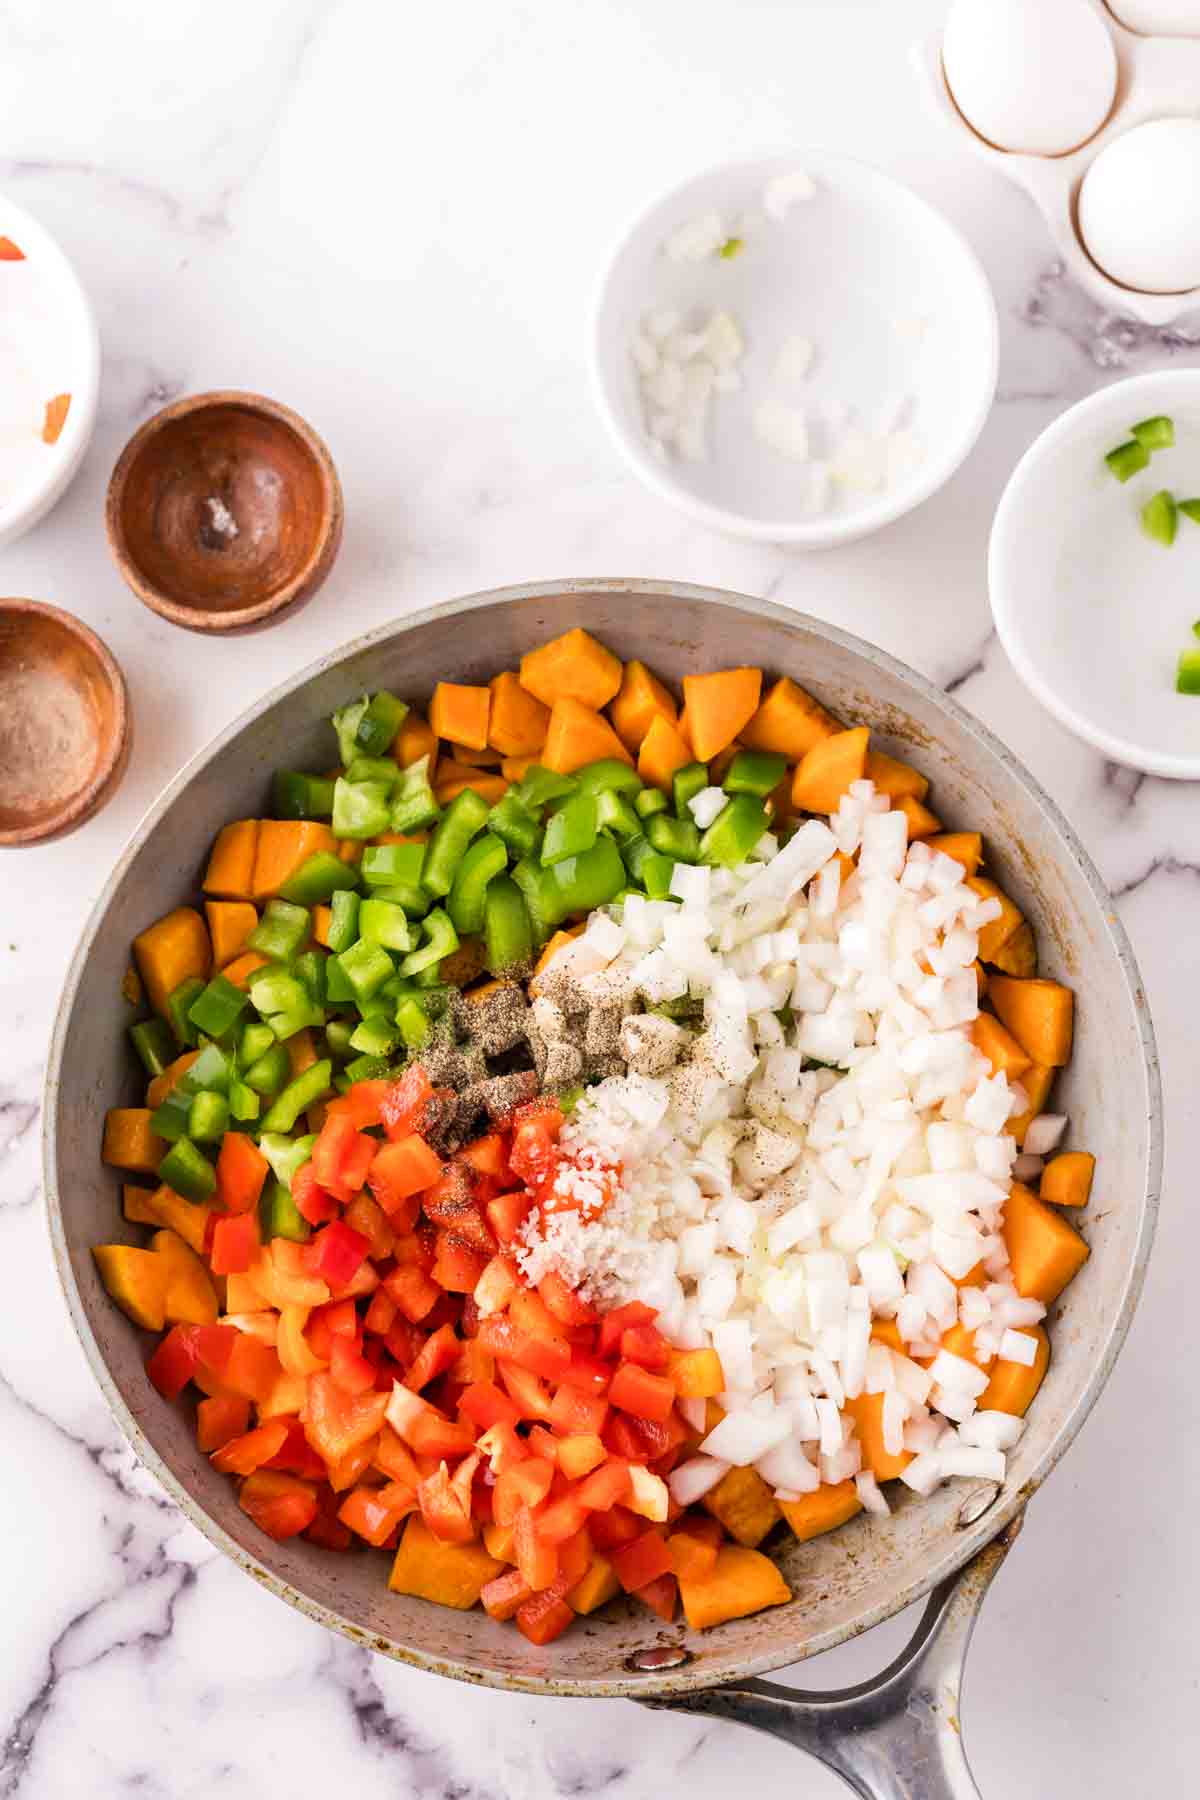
(526, 1389)
(488, 1156)
(241, 1171)
(502, 1597)
(349, 1367)
(296, 1455)
(337, 1252)
(404, 1342)
(567, 1305)
(457, 1264)
(337, 1318)
(364, 1102)
(544, 1617)
(401, 1168)
(621, 1319)
(561, 1519)
(606, 1487)
(543, 1443)
(661, 1595)
(534, 1152)
(327, 1529)
(438, 1353)
(614, 1526)
(403, 1106)
(413, 1290)
(541, 1356)
(380, 1313)
(502, 1447)
(635, 1390)
(642, 1560)
(432, 1434)
(219, 1418)
(442, 1509)
(242, 1455)
(587, 1372)
(370, 1516)
(483, 1403)
(507, 1213)
(235, 1243)
(575, 1414)
(281, 1505)
(645, 1345)
(312, 1202)
(526, 1485)
(335, 1422)
(252, 1368)
(537, 1561)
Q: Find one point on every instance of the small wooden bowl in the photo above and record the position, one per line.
(65, 727)
(223, 511)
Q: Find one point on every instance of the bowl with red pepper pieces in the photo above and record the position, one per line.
(477, 1200)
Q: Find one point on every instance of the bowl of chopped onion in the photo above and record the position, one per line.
(794, 348)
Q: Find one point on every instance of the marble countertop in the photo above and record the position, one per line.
(394, 222)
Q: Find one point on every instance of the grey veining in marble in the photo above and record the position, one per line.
(393, 219)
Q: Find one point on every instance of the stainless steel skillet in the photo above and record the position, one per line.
(898, 1735)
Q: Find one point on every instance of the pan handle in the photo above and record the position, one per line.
(899, 1736)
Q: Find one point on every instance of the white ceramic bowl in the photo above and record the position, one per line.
(47, 323)
(1092, 612)
(893, 299)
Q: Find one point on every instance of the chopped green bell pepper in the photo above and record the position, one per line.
(179, 1005)
(609, 775)
(485, 858)
(343, 921)
(539, 786)
(413, 803)
(1127, 459)
(244, 1103)
(676, 838)
(392, 865)
(285, 1002)
(508, 933)
(363, 1068)
(439, 939)
(584, 882)
(156, 1047)
(298, 796)
(318, 879)
(169, 1120)
(735, 831)
(539, 895)
(310, 969)
(286, 1154)
(375, 1037)
(383, 922)
(648, 868)
(300, 1092)
(339, 990)
(689, 781)
(208, 1117)
(279, 1216)
(1157, 433)
(756, 772)
(379, 723)
(614, 813)
(374, 768)
(361, 809)
(650, 801)
(338, 1033)
(366, 967)
(413, 1024)
(269, 1074)
(218, 1007)
(345, 724)
(515, 825)
(1160, 517)
(211, 1069)
(188, 1171)
(255, 1041)
(463, 819)
(280, 932)
(571, 830)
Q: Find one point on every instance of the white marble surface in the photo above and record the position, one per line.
(393, 218)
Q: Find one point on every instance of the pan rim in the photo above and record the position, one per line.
(963, 1545)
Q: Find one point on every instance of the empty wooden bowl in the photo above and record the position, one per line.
(223, 511)
(64, 722)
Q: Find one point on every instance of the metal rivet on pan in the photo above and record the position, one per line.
(669, 1656)
(976, 1504)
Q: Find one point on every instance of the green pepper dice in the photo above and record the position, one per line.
(279, 1216)
(413, 803)
(179, 1005)
(1160, 518)
(539, 786)
(299, 1093)
(571, 830)
(361, 809)
(756, 772)
(318, 879)
(1127, 459)
(280, 932)
(508, 933)
(383, 922)
(649, 802)
(285, 1154)
(609, 775)
(677, 838)
(439, 939)
(343, 921)
(378, 724)
(687, 783)
(515, 825)
(464, 818)
(587, 881)
(156, 1047)
(208, 1117)
(1157, 433)
(735, 831)
(188, 1171)
(614, 813)
(366, 967)
(485, 858)
(244, 1103)
(345, 724)
(1187, 673)
(298, 796)
(268, 1075)
(217, 1007)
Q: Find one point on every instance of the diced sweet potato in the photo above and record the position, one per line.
(693, 1548)
(1044, 1251)
(596, 1587)
(642, 698)
(136, 1280)
(996, 932)
(450, 1574)
(558, 942)
(718, 706)
(663, 751)
(742, 1582)
(823, 1510)
(230, 872)
(920, 821)
(1037, 1082)
(574, 666)
(230, 923)
(129, 1142)
(285, 845)
(416, 738)
(187, 1218)
(460, 713)
(886, 1331)
(1000, 1047)
(965, 847)
(577, 735)
(518, 719)
(789, 722)
(169, 951)
(1013, 1384)
(1067, 1181)
(242, 967)
(489, 787)
(828, 769)
(867, 1412)
(894, 778)
(1039, 1013)
(744, 1504)
(191, 1298)
(1019, 955)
